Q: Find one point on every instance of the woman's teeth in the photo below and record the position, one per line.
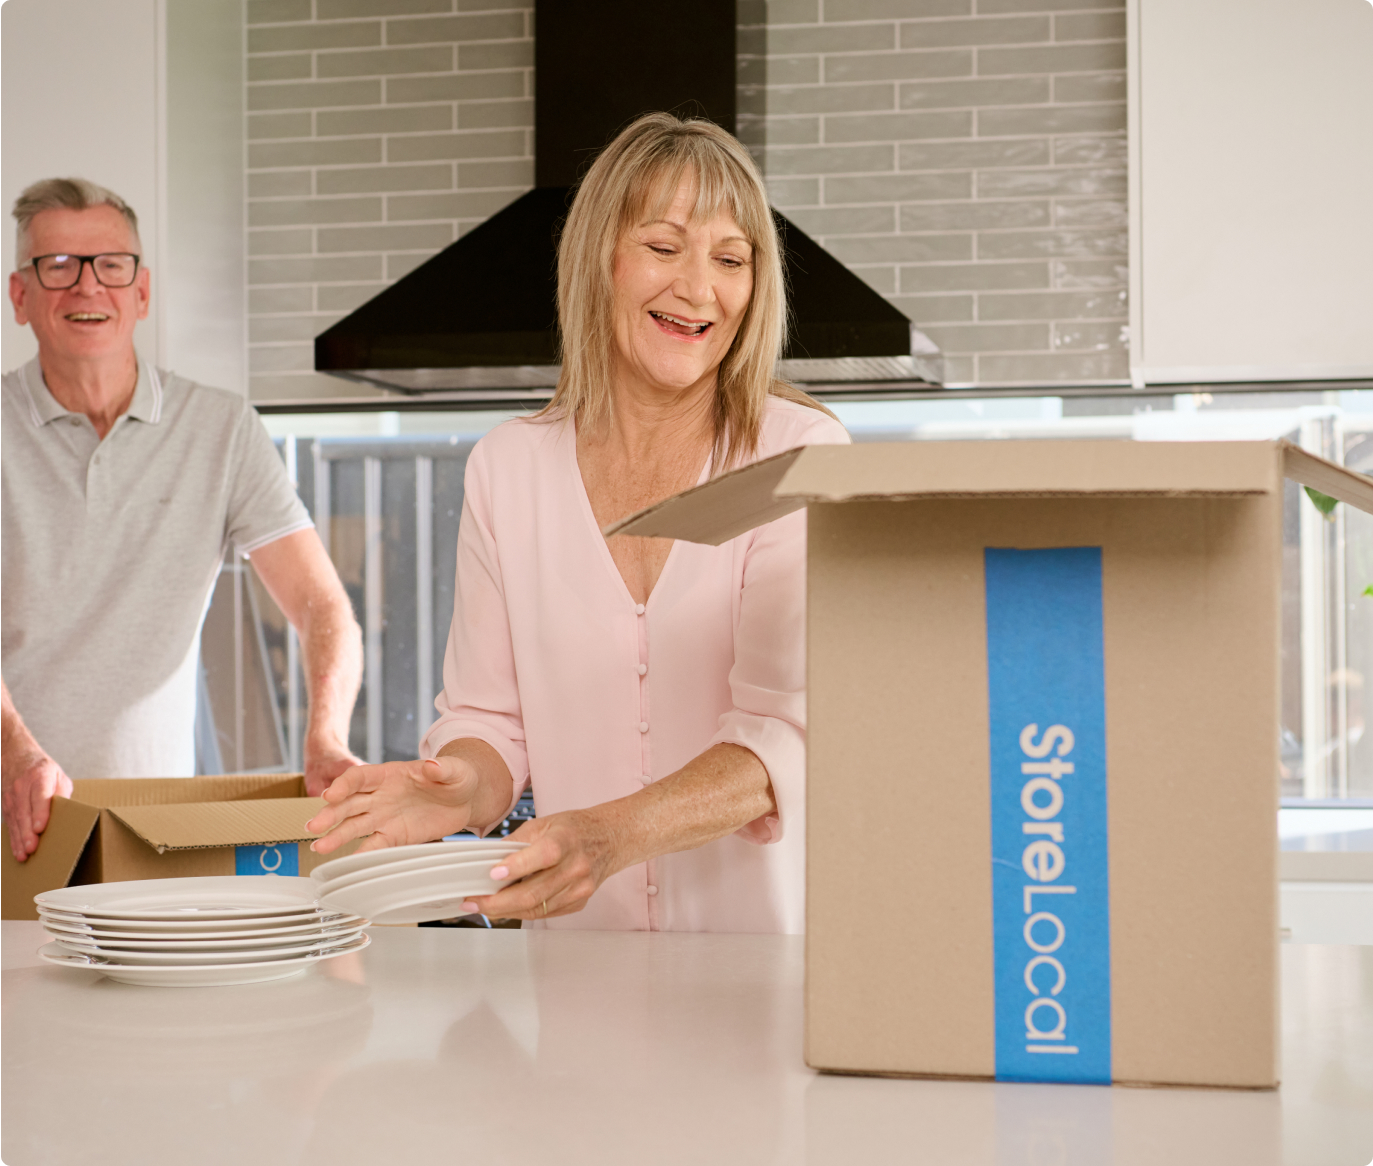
(683, 327)
(87, 316)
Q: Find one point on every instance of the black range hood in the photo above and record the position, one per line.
(480, 317)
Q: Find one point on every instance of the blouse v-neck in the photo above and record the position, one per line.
(589, 516)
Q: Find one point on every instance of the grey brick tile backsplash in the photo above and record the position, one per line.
(386, 62)
(313, 95)
(291, 242)
(266, 126)
(339, 152)
(966, 159)
(427, 237)
(274, 11)
(352, 35)
(1004, 30)
(424, 147)
(405, 119)
(457, 87)
(1053, 119)
(885, 127)
(384, 179)
(839, 10)
(452, 29)
(290, 212)
(276, 183)
(344, 9)
(287, 67)
(898, 66)
(974, 94)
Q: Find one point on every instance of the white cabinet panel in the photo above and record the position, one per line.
(1251, 189)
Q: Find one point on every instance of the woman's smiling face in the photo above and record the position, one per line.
(681, 290)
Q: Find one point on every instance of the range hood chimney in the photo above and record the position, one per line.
(479, 320)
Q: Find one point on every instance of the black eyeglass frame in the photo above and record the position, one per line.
(85, 259)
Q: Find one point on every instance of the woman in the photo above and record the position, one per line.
(651, 691)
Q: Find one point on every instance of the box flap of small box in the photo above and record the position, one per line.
(50, 866)
(742, 499)
(167, 791)
(202, 825)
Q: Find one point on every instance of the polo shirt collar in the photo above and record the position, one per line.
(44, 407)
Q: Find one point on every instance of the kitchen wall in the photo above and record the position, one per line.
(378, 131)
(966, 157)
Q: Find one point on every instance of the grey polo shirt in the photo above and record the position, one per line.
(110, 551)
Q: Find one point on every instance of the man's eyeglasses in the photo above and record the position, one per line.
(59, 272)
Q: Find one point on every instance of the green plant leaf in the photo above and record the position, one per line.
(1323, 502)
(1369, 591)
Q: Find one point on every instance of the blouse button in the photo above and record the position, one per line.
(643, 726)
(639, 609)
(652, 890)
(643, 669)
(646, 779)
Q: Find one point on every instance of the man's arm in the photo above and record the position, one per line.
(298, 574)
(31, 780)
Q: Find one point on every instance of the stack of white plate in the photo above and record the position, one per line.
(413, 884)
(196, 931)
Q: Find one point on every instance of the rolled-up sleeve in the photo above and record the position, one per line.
(768, 679)
(480, 697)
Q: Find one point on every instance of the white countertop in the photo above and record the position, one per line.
(561, 1048)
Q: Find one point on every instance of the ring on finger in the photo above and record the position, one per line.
(545, 908)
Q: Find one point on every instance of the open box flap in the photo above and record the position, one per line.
(166, 791)
(738, 501)
(1339, 482)
(203, 825)
(720, 509)
(49, 867)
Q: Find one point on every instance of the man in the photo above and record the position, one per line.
(122, 488)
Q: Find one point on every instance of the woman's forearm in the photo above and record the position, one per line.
(717, 793)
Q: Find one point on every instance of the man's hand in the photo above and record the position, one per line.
(324, 761)
(31, 780)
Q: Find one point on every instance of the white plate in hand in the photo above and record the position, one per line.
(425, 862)
(417, 896)
(208, 976)
(177, 900)
(459, 851)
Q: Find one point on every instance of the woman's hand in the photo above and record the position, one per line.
(396, 804)
(568, 857)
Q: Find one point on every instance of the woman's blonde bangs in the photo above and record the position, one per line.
(634, 180)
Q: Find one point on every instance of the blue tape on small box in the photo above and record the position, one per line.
(1046, 691)
(283, 859)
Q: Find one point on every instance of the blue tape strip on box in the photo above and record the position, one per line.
(264, 860)
(1046, 693)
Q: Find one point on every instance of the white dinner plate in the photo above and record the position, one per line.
(456, 852)
(117, 947)
(207, 976)
(417, 896)
(333, 921)
(152, 928)
(424, 862)
(212, 897)
(124, 958)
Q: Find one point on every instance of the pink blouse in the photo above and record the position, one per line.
(589, 696)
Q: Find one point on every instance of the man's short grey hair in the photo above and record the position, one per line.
(73, 194)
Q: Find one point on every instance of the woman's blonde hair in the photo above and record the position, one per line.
(635, 178)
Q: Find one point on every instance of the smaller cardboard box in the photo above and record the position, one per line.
(1042, 758)
(111, 830)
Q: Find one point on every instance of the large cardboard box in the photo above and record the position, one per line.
(157, 828)
(1043, 750)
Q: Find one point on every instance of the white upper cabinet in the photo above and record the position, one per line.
(1251, 200)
